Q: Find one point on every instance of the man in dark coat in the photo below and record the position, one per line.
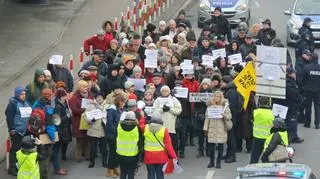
(222, 22)
(112, 78)
(267, 34)
(181, 19)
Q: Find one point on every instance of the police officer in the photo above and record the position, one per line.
(262, 123)
(306, 27)
(127, 145)
(278, 136)
(310, 82)
(306, 40)
(267, 34)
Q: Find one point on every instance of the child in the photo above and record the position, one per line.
(28, 158)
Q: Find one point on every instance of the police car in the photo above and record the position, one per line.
(274, 171)
(300, 10)
(234, 10)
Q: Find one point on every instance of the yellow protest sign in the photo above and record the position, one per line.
(246, 82)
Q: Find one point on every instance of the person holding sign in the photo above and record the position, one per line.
(215, 128)
(17, 114)
(222, 63)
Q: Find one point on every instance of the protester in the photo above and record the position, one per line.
(97, 42)
(48, 79)
(61, 73)
(33, 89)
(267, 34)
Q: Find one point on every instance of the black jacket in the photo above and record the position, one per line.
(109, 82)
(299, 67)
(223, 25)
(61, 74)
(311, 77)
(230, 93)
(245, 49)
(276, 140)
(293, 97)
(64, 129)
(265, 36)
(185, 21)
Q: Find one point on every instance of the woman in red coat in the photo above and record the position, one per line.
(75, 106)
(110, 34)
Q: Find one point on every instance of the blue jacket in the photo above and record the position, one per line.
(14, 120)
(113, 118)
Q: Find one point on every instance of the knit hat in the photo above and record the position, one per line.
(100, 32)
(60, 84)
(136, 69)
(163, 58)
(84, 72)
(47, 93)
(206, 81)
(115, 41)
(218, 9)
(156, 74)
(278, 123)
(130, 115)
(216, 78)
(122, 35)
(18, 90)
(226, 79)
(191, 36)
(156, 118)
(148, 39)
(125, 41)
(152, 45)
(165, 87)
(132, 102)
(60, 93)
(151, 27)
(162, 23)
(116, 86)
(148, 91)
(128, 84)
(47, 73)
(98, 52)
(27, 143)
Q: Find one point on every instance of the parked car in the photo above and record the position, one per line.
(234, 10)
(300, 10)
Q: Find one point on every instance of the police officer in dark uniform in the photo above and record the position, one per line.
(267, 34)
(311, 83)
(306, 40)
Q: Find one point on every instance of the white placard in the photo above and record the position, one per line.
(25, 112)
(207, 60)
(268, 54)
(151, 60)
(235, 59)
(123, 116)
(187, 62)
(219, 53)
(181, 92)
(270, 72)
(200, 97)
(94, 114)
(279, 110)
(56, 59)
(215, 112)
(148, 110)
(187, 69)
(139, 83)
(85, 103)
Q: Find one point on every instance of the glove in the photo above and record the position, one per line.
(165, 108)
(93, 120)
(51, 130)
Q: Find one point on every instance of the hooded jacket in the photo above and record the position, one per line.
(109, 82)
(61, 74)
(33, 89)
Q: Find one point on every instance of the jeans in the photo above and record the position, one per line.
(44, 165)
(257, 149)
(314, 97)
(102, 147)
(155, 171)
(56, 156)
(112, 159)
(127, 169)
(15, 146)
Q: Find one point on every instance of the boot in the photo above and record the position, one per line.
(231, 159)
(91, 164)
(212, 152)
(181, 155)
(110, 173)
(220, 152)
(200, 154)
(116, 172)
(191, 141)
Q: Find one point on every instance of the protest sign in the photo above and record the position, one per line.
(207, 60)
(139, 83)
(85, 103)
(200, 97)
(235, 59)
(219, 53)
(181, 92)
(56, 59)
(187, 69)
(25, 112)
(151, 60)
(279, 110)
(94, 114)
(44, 138)
(215, 112)
(270, 72)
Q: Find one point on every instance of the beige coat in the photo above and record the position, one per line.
(215, 127)
(110, 97)
(96, 128)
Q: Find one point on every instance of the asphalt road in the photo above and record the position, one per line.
(89, 19)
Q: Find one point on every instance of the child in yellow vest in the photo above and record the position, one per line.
(28, 157)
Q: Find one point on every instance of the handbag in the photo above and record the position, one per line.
(279, 154)
(227, 124)
(84, 125)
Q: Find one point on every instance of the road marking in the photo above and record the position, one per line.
(210, 174)
(257, 4)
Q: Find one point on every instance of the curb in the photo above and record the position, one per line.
(17, 74)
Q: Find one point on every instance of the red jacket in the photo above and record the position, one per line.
(192, 85)
(109, 36)
(96, 44)
(160, 157)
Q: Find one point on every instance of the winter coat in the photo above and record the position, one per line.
(216, 128)
(13, 116)
(293, 98)
(33, 89)
(107, 84)
(61, 74)
(231, 94)
(181, 47)
(311, 78)
(201, 107)
(110, 55)
(111, 96)
(102, 68)
(190, 53)
(96, 44)
(64, 129)
(193, 87)
(223, 25)
(300, 64)
(75, 107)
(160, 157)
(245, 49)
(302, 45)
(169, 117)
(265, 36)
(204, 51)
(113, 118)
(97, 127)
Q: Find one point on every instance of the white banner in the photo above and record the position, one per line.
(235, 59)
(181, 92)
(215, 112)
(200, 97)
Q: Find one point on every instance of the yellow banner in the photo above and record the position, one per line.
(246, 82)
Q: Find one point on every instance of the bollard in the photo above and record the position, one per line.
(81, 56)
(134, 8)
(140, 30)
(122, 18)
(145, 25)
(168, 3)
(134, 22)
(164, 7)
(128, 14)
(159, 11)
(115, 24)
(154, 16)
(8, 147)
(71, 64)
(91, 52)
(150, 19)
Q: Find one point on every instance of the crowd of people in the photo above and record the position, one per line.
(149, 123)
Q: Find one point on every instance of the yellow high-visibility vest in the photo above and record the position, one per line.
(284, 137)
(262, 123)
(28, 165)
(127, 142)
(150, 142)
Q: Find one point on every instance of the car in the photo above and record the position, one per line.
(274, 171)
(234, 10)
(300, 10)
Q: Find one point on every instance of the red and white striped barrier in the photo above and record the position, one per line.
(81, 56)
(71, 64)
(8, 147)
(116, 24)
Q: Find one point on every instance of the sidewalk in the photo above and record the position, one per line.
(44, 26)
